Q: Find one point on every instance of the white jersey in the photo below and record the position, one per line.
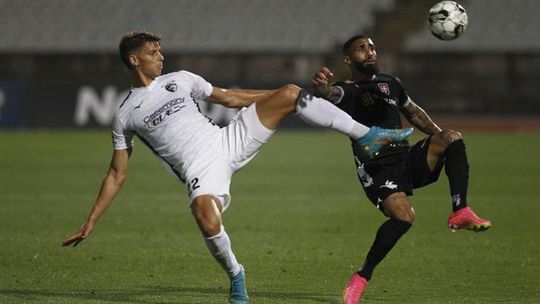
(166, 117)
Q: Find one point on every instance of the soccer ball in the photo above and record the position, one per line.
(447, 20)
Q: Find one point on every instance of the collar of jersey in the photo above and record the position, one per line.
(352, 80)
(146, 88)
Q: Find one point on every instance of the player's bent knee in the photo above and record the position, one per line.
(211, 228)
(398, 206)
(207, 215)
(446, 137)
(440, 141)
(454, 135)
(289, 93)
(406, 214)
(209, 225)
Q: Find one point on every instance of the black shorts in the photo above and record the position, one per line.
(401, 171)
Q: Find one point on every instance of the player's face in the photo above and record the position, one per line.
(150, 60)
(362, 57)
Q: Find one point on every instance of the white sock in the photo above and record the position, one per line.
(220, 248)
(320, 112)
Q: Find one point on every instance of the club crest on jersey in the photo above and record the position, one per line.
(171, 87)
(384, 88)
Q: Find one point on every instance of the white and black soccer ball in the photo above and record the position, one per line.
(447, 20)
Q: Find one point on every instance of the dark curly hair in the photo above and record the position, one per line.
(349, 42)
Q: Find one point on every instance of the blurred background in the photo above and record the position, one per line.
(59, 66)
(300, 223)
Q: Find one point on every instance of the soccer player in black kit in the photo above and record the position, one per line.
(389, 175)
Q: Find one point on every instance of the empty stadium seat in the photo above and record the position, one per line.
(187, 26)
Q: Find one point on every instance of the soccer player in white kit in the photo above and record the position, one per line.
(162, 110)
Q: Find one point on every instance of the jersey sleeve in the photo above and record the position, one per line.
(346, 94)
(200, 88)
(122, 139)
(403, 97)
(340, 98)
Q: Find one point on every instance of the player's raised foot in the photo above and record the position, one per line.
(354, 290)
(466, 219)
(238, 292)
(370, 144)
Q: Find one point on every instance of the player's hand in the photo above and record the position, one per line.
(79, 236)
(321, 81)
(323, 76)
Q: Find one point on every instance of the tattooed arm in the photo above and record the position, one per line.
(419, 118)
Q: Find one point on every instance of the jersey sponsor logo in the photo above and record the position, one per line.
(389, 184)
(391, 101)
(171, 86)
(384, 88)
(164, 112)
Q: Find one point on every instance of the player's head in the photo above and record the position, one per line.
(141, 51)
(360, 55)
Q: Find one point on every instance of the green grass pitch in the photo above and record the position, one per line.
(299, 223)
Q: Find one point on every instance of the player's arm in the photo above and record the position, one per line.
(111, 185)
(419, 118)
(323, 88)
(237, 98)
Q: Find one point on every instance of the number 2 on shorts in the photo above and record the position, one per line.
(192, 185)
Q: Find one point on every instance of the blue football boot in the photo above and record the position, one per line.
(370, 144)
(238, 292)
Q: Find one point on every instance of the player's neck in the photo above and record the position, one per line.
(140, 80)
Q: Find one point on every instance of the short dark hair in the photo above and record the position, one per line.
(134, 40)
(351, 40)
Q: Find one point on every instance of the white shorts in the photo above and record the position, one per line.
(235, 146)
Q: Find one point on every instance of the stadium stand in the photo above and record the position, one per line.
(494, 26)
(189, 26)
(51, 51)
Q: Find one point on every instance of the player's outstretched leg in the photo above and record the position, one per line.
(320, 112)
(238, 292)
(376, 138)
(465, 218)
(354, 290)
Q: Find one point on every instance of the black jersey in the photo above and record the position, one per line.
(375, 102)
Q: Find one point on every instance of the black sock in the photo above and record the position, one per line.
(387, 236)
(457, 170)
